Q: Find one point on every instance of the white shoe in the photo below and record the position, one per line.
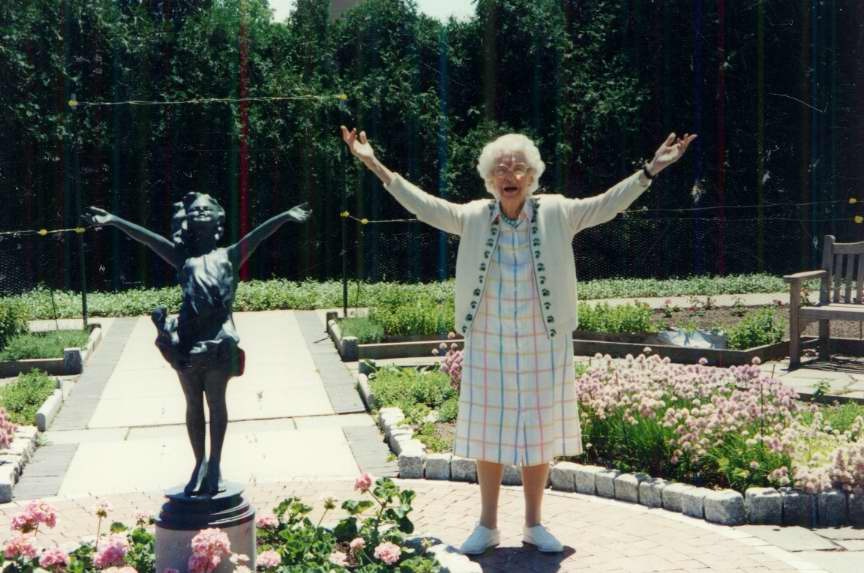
(481, 539)
(540, 537)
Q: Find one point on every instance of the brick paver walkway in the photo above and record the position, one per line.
(600, 535)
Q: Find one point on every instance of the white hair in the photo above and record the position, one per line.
(509, 144)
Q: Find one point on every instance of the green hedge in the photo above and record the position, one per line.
(305, 295)
(13, 319)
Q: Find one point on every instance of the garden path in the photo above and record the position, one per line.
(294, 414)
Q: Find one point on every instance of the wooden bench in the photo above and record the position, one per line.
(840, 295)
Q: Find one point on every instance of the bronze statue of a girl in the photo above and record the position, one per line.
(201, 344)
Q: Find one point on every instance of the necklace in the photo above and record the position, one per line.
(512, 222)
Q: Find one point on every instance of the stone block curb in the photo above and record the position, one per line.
(627, 486)
(604, 481)
(651, 492)
(48, 410)
(725, 507)
(14, 458)
(763, 505)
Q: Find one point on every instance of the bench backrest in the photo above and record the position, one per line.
(845, 265)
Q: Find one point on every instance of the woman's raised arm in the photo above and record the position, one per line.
(434, 211)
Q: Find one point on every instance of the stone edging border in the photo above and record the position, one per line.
(13, 459)
(764, 506)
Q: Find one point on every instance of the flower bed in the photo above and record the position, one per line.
(733, 428)
(374, 536)
(55, 352)
(615, 330)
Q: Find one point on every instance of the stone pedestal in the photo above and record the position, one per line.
(182, 517)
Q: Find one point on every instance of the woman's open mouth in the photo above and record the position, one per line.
(510, 190)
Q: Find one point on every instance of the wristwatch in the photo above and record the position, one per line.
(646, 172)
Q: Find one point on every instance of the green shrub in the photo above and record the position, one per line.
(13, 319)
(406, 388)
(430, 437)
(365, 329)
(43, 344)
(23, 397)
(625, 318)
(449, 409)
(756, 329)
(420, 316)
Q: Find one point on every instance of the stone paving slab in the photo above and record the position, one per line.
(338, 382)
(599, 535)
(280, 379)
(84, 399)
(149, 464)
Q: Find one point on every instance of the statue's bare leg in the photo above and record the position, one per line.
(215, 385)
(193, 389)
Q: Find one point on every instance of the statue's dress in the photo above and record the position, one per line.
(203, 336)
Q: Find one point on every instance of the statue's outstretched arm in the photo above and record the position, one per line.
(157, 243)
(243, 249)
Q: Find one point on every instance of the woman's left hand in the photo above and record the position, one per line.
(669, 152)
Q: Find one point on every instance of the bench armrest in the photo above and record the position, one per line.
(797, 277)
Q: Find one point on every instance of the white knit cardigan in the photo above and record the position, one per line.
(555, 221)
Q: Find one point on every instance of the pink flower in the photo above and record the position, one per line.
(54, 559)
(211, 541)
(357, 544)
(35, 513)
(113, 552)
(339, 558)
(388, 552)
(209, 546)
(267, 522)
(268, 560)
(363, 483)
(199, 563)
(19, 546)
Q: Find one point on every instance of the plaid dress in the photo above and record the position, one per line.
(517, 402)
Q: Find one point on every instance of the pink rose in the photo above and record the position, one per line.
(363, 483)
(268, 560)
(388, 552)
(54, 559)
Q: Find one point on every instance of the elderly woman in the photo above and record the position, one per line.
(516, 307)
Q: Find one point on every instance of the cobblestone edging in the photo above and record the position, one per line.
(14, 458)
(784, 506)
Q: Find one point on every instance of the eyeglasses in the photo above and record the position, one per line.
(517, 170)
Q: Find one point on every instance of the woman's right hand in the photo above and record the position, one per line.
(358, 145)
(97, 216)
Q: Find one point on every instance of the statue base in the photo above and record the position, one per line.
(183, 516)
